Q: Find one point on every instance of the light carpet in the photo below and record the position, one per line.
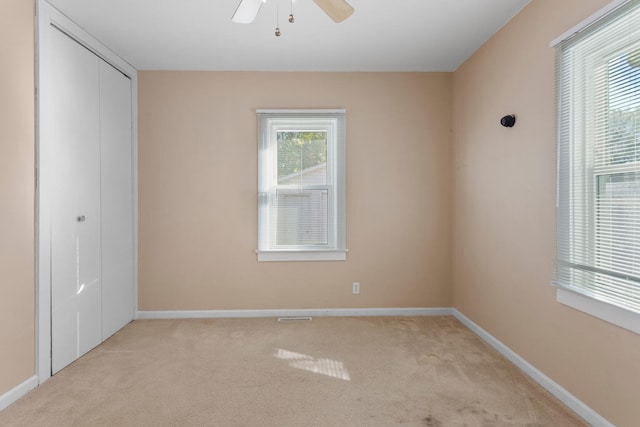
(360, 371)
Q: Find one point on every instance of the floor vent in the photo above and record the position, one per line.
(286, 319)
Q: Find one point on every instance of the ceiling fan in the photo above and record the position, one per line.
(247, 10)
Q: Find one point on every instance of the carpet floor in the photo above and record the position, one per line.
(362, 371)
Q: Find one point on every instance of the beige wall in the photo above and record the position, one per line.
(16, 193)
(505, 215)
(198, 190)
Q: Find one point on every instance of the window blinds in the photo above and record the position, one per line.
(598, 87)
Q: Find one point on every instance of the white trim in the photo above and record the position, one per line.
(575, 404)
(48, 16)
(302, 256)
(608, 312)
(301, 111)
(134, 183)
(311, 312)
(590, 20)
(18, 391)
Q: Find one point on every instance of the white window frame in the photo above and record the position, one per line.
(270, 122)
(611, 313)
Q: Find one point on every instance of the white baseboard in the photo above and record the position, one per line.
(18, 391)
(313, 312)
(575, 404)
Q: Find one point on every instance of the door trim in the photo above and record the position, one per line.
(46, 17)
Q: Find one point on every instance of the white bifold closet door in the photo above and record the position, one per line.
(92, 282)
(116, 191)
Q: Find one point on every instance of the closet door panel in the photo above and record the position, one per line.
(76, 316)
(117, 200)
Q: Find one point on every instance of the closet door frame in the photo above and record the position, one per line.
(49, 19)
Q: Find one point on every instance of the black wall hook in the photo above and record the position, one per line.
(508, 121)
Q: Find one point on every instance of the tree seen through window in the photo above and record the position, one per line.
(299, 152)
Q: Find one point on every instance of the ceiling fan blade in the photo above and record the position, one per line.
(338, 10)
(247, 11)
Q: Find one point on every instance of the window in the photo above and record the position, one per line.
(598, 238)
(301, 186)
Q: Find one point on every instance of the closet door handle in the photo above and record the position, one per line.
(80, 218)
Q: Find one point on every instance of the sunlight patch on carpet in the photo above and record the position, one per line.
(328, 367)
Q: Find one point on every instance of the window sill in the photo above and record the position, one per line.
(618, 316)
(302, 256)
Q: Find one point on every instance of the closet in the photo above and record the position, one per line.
(86, 157)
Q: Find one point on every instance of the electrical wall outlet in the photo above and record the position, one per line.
(356, 287)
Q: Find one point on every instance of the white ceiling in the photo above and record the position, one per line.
(381, 35)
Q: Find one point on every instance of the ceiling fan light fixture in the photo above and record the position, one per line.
(247, 11)
(338, 10)
(291, 18)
